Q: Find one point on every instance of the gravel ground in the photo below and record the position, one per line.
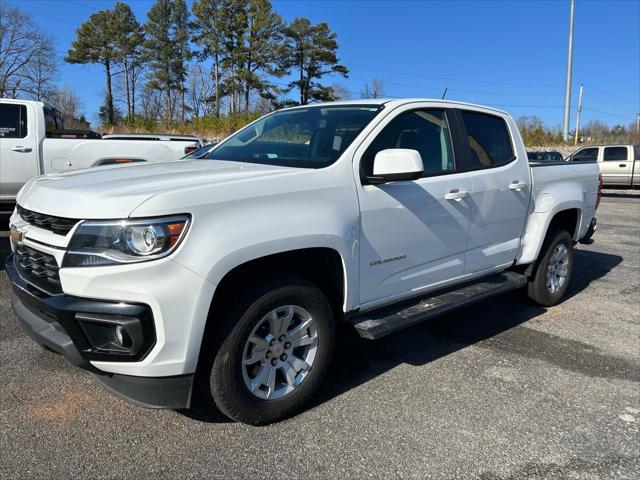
(499, 390)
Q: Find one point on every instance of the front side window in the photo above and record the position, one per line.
(615, 154)
(489, 140)
(586, 155)
(426, 131)
(309, 137)
(13, 121)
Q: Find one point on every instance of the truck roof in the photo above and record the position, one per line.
(401, 101)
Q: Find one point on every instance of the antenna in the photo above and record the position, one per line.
(445, 92)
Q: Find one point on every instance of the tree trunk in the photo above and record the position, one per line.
(182, 102)
(216, 80)
(133, 92)
(126, 87)
(302, 89)
(109, 95)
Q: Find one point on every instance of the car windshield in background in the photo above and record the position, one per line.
(309, 137)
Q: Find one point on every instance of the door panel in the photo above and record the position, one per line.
(18, 149)
(501, 192)
(498, 216)
(412, 237)
(616, 165)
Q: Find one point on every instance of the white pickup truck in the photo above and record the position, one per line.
(229, 273)
(29, 147)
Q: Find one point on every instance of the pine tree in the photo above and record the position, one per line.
(166, 48)
(207, 33)
(129, 39)
(311, 49)
(261, 53)
(95, 43)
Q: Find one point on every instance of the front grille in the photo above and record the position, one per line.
(58, 225)
(38, 269)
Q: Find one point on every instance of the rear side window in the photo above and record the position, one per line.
(489, 140)
(13, 121)
(426, 131)
(615, 154)
(586, 155)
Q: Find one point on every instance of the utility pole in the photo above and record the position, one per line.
(567, 95)
(577, 134)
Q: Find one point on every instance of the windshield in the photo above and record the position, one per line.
(310, 137)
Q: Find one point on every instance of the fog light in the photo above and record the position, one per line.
(113, 334)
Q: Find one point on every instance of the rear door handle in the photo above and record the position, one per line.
(20, 148)
(622, 165)
(456, 195)
(517, 185)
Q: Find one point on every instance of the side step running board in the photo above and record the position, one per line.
(380, 323)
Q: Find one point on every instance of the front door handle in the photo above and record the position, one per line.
(622, 165)
(456, 195)
(20, 148)
(517, 185)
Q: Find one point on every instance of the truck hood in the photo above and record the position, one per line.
(115, 191)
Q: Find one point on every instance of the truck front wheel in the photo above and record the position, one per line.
(552, 274)
(278, 347)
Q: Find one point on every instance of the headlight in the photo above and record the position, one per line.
(114, 242)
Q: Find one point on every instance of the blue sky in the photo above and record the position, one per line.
(510, 53)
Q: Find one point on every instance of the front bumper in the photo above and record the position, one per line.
(52, 321)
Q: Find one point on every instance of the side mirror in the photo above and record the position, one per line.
(395, 165)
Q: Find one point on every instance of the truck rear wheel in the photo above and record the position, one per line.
(276, 353)
(551, 276)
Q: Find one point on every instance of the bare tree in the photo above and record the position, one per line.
(341, 92)
(376, 90)
(41, 73)
(27, 60)
(68, 103)
(202, 90)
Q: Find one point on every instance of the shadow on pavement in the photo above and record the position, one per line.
(4, 251)
(356, 361)
(622, 193)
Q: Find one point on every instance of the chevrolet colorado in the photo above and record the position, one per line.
(229, 273)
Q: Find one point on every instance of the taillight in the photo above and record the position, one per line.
(599, 190)
(190, 149)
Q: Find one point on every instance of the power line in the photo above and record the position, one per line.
(450, 79)
(627, 101)
(607, 113)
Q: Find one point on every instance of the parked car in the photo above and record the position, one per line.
(200, 152)
(551, 156)
(230, 275)
(33, 142)
(619, 164)
(191, 142)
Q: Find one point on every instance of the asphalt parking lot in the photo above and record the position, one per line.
(499, 390)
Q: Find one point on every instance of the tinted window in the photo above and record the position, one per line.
(612, 154)
(489, 140)
(53, 120)
(310, 137)
(551, 157)
(586, 155)
(13, 121)
(426, 131)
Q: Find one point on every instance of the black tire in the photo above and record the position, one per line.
(537, 289)
(224, 383)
